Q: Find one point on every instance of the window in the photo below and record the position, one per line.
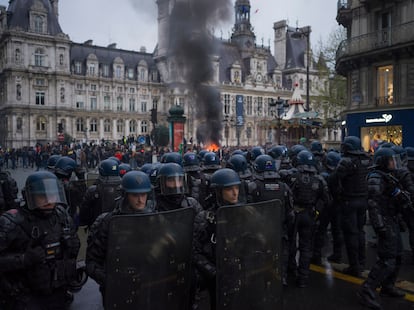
(61, 59)
(289, 84)
(106, 88)
(249, 105)
(18, 92)
(38, 24)
(94, 103)
(93, 126)
(132, 90)
(78, 67)
(144, 127)
(17, 56)
(259, 106)
(130, 73)
(62, 94)
(105, 70)
(91, 69)
(143, 106)
(40, 98)
(80, 105)
(226, 104)
(301, 83)
(41, 124)
(132, 126)
(79, 86)
(119, 125)
(107, 103)
(79, 125)
(385, 86)
(107, 125)
(131, 104)
(142, 74)
(93, 86)
(118, 72)
(39, 57)
(119, 103)
(40, 82)
(19, 124)
(119, 89)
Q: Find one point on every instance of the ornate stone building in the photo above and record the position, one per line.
(49, 84)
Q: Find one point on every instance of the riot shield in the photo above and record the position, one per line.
(149, 261)
(109, 191)
(249, 256)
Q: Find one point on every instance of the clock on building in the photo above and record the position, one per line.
(259, 77)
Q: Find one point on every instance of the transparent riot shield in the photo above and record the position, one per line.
(149, 260)
(249, 256)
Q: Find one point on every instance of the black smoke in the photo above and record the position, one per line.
(192, 46)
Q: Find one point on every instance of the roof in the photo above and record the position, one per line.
(18, 15)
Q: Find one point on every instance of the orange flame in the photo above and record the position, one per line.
(212, 147)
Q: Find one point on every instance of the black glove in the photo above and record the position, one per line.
(33, 256)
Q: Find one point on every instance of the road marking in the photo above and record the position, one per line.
(338, 275)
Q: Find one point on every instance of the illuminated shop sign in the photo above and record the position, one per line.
(384, 119)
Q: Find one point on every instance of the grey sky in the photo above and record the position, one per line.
(133, 23)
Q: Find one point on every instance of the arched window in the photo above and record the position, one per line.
(39, 57)
(120, 125)
(107, 125)
(61, 59)
(79, 125)
(132, 126)
(289, 84)
(38, 24)
(17, 56)
(41, 123)
(62, 94)
(144, 127)
(118, 72)
(18, 92)
(142, 74)
(93, 125)
(19, 124)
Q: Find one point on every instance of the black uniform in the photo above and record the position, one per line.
(351, 174)
(37, 258)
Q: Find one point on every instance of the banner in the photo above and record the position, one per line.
(178, 136)
(239, 110)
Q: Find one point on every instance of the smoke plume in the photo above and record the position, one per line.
(193, 46)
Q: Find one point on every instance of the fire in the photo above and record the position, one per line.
(212, 147)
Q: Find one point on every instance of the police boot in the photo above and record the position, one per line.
(368, 298)
(391, 291)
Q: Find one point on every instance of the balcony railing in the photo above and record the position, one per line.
(403, 33)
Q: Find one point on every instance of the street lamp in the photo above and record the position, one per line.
(230, 122)
(278, 110)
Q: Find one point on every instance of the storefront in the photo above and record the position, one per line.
(396, 126)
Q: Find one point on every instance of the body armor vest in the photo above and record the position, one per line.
(306, 189)
(355, 184)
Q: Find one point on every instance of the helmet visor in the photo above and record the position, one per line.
(43, 193)
(173, 185)
(395, 162)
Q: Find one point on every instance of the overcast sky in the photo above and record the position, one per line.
(133, 23)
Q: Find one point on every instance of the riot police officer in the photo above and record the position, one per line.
(351, 174)
(51, 162)
(38, 248)
(171, 189)
(225, 184)
(384, 199)
(123, 169)
(210, 164)
(64, 168)
(136, 189)
(319, 154)
(280, 155)
(172, 157)
(101, 196)
(192, 168)
(310, 196)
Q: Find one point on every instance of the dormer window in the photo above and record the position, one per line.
(38, 24)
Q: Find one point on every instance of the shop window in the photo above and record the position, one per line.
(372, 137)
(385, 85)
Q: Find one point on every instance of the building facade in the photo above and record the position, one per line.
(50, 85)
(378, 61)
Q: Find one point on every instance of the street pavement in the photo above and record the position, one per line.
(329, 288)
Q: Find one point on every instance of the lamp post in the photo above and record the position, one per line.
(230, 122)
(278, 110)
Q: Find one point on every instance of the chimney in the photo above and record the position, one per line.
(143, 49)
(280, 28)
(112, 45)
(88, 42)
(55, 7)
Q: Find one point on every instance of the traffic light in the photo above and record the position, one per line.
(154, 115)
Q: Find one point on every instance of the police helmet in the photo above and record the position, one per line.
(153, 173)
(211, 161)
(43, 188)
(51, 162)
(399, 150)
(386, 144)
(146, 168)
(108, 168)
(64, 167)
(265, 167)
(191, 162)
(224, 177)
(136, 182)
(351, 145)
(410, 153)
(239, 164)
(237, 152)
(332, 159)
(172, 157)
(201, 154)
(115, 159)
(256, 152)
(278, 152)
(123, 169)
(306, 161)
(171, 179)
(316, 148)
(384, 156)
